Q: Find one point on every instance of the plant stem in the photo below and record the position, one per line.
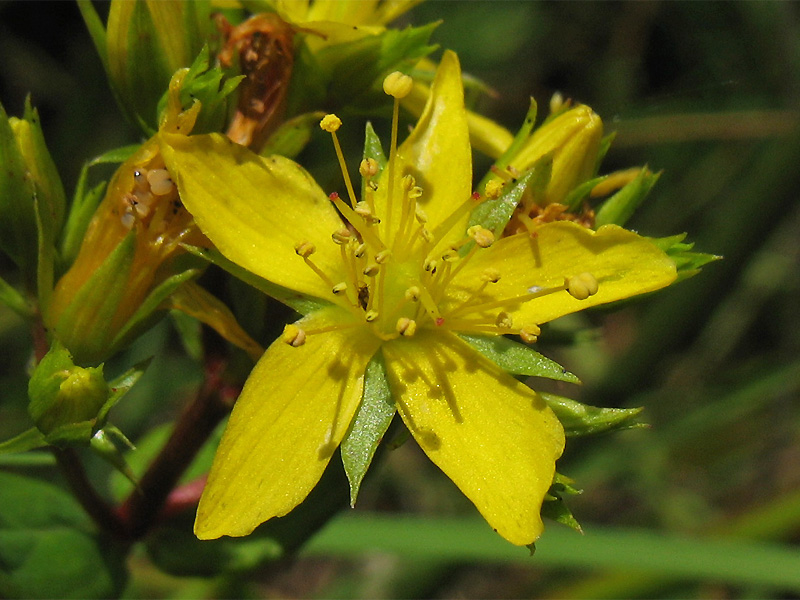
(199, 419)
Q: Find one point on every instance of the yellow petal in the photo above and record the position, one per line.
(624, 264)
(256, 209)
(492, 435)
(437, 152)
(291, 416)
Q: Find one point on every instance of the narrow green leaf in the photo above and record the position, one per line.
(97, 30)
(517, 358)
(115, 156)
(14, 300)
(621, 206)
(369, 425)
(83, 206)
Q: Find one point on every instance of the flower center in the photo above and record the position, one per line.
(399, 272)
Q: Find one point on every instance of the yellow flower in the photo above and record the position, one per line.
(401, 280)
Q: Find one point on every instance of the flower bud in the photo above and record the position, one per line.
(573, 138)
(65, 399)
(27, 173)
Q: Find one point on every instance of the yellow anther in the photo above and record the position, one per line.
(420, 215)
(482, 236)
(293, 335)
(371, 270)
(530, 334)
(305, 249)
(408, 182)
(426, 235)
(368, 167)
(406, 327)
(494, 188)
(557, 102)
(429, 265)
(341, 236)
(412, 294)
(415, 192)
(361, 249)
(362, 209)
(491, 275)
(581, 286)
(504, 320)
(339, 287)
(382, 256)
(397, 85)
(450, 255)
(371, 316)
(330, 123)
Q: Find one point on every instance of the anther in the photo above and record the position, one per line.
(371, 316)
(368, 167)
(482, 236)
(412, 294)
(450, 255)
(490, 275)
(330, 123)
(293, 335)
(408, 182)
(341, 236)
(429, 265)
(406, 327)
(397, 85)
(494, 188)
(382, 256)
(361, 249)
(530, 334)
(581, 286)
(339, 288)
(420, 215)
(305, 249)
(504, 320)
(415, 192)
(160, 182)
(371, 270)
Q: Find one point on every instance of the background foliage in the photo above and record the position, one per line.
(706, 502)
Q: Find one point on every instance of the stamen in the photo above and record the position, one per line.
(398, 86)
(534, 292)
(530, 334)
(406, 327)
(293, 335)
(482, 236)
(494, 188)
(371, 316)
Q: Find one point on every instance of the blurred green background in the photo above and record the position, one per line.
(704, 503)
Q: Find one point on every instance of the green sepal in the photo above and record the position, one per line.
(555, 508)
(17, 219)
(205, 85)
(83, 325)
(45, 264)
(518, 359)
(27, 440)
(292, 136)
(374, 415)
(103, 446)
(302, 304)
(687, 263)
(65, 400)
(96, 30)
(151, 308)
(190, 332)
(621, 206)
(85, 202)
(14, 300)
(495, 214)
(120, 386)
(580, 419)
(513, 149)
(578, 194)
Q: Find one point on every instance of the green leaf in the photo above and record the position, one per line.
(369, 425)
(49, 547)
(82, 209)
(621, 206)
(580, 419)
(495, 214)
(518, 359)
(27, 440)
(554, 506)
(14, 300)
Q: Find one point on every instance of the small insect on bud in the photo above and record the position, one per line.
(581, 286)
(330, 123)
(482, 236)
(305, 249)
(397, 85)
(494, 188)
(368, 167)
(530, 334)
(293, 335)
(406, 327)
